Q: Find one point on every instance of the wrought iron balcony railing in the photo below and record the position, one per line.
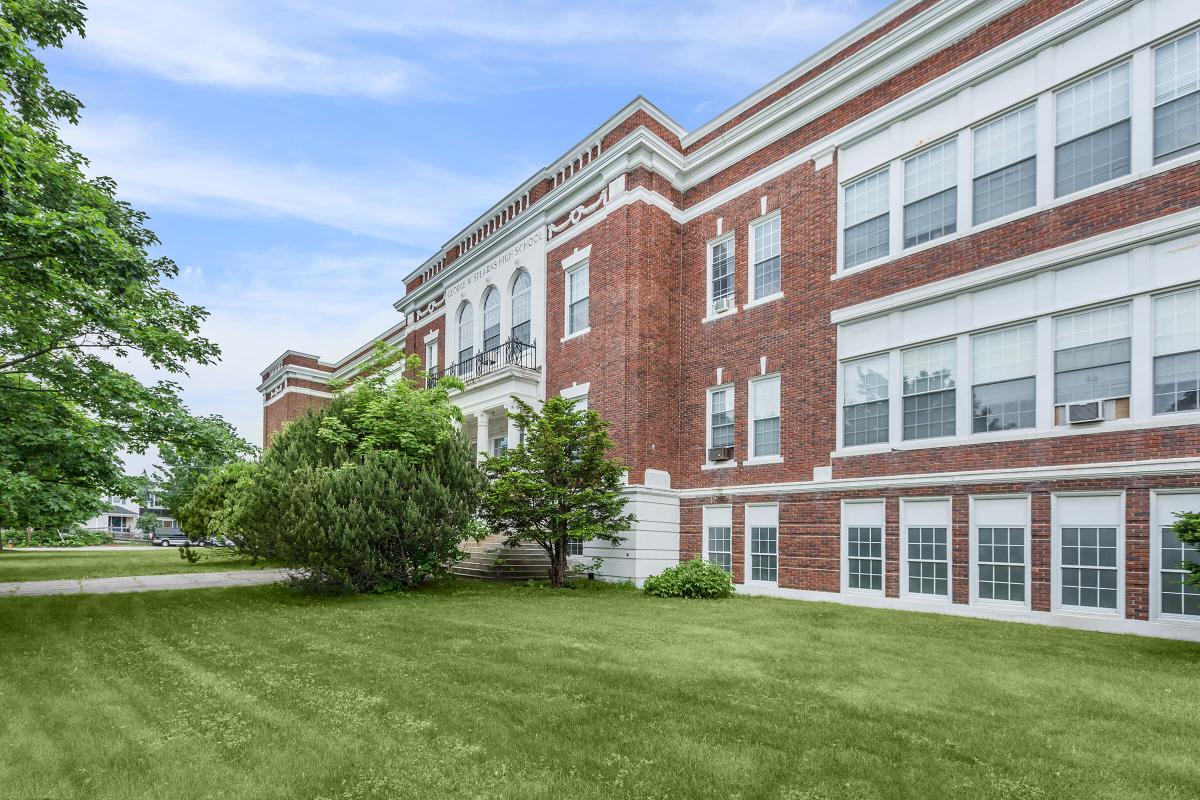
(513, 353)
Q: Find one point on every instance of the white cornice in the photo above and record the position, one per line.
(1117, 469)
(294, 371)
(297, 390)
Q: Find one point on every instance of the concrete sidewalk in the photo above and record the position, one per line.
(143, 583)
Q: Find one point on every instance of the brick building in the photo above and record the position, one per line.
(915, 325)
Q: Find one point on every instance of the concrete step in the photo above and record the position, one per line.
(489, 559)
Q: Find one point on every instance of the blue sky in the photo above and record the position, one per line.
(298, 158)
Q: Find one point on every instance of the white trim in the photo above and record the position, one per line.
(297, 390)
(575, 391)
(706, 523)
(845, 545)
(747, 568)
(776, 458)
(432, 335)
(708, 395)
(1068, 472)
(762, 300)
(906, 506)
(576, 334)
(730, 237)
(577, 257)
(765, 218)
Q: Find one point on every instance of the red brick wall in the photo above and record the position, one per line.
(286, 409)
(810, 534)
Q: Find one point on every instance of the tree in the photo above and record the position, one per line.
(558, 484)
(213, 444)
(375, 491)
(79, 291)
(209, 496)
(148, 523)
(1187, 530)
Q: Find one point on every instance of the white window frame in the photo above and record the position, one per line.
(578, 260)
(493, 441)
(1157, 521)
(431, 361)
(750, 386)
(708, 410)
(864, 513)
(747, 565)
(1056, 526)
(1037, 164)
(976, 506)
(710, 314)
(952, 141)
(751, 300)
(908, 508)
(716, 516)
(1133, 125)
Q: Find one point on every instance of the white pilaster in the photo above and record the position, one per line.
(481, 434)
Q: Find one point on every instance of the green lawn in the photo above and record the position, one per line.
(45, 565)
(469, 690)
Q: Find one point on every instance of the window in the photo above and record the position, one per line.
(929, 391)
(1003, 392)
(1177, 97)
(718, 536)
(431, 356)
(521, 331)
(491, 318)
(928, 562)
(168, 523)
(930, 193)
(720, 275)
(574, 547)
(762, 522)
(720, 417)
(1002, 564)
(764, 417)
(466, 338)
(866, 232)
(1092, 131)
(577, 299)
(1088, 545)
(864, 550)
(865, 401)
(764, 255)
(1005, 165)
(1177, 352)
(1174, 595)
(499, 445)
(1091, 355)
(720, 546)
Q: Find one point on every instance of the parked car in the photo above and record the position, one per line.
(174, 538)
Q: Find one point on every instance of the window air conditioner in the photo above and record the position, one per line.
(1080, 413)
(723, 304)
(720, 453)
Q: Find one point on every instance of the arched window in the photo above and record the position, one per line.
(520, 308)
(491, 319)
(466, 339)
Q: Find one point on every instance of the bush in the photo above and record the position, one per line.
(75, 538)
(696, 578)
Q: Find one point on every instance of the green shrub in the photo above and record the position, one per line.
(76, 538)
(695, 578)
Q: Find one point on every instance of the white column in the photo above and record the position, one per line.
(514, 435)
(481, 434)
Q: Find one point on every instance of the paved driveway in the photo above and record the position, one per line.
(143, 583)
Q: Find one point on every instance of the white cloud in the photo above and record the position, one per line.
(398, 200)
(235, 45)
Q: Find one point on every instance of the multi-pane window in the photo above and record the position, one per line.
(764, 553)
(764, 243)
(1092, 131)
(720, 546)
(1005, 165)
(1177, 97)
(764, 416)
(720, 417)
(499, 445)
(865, 235)
(865, 401)
(574, 547)
(431, 348)
(929, 391)
(931, 193)
(928, 560)
(720, 264)
(1177, 596)
(1091, 355)
(466, 338)
(521, 304)
(491, 318)
(864, 556)
(1001, 561)
(1177, 352)
(577, 299)
(1089, 567)
(1003, 391)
